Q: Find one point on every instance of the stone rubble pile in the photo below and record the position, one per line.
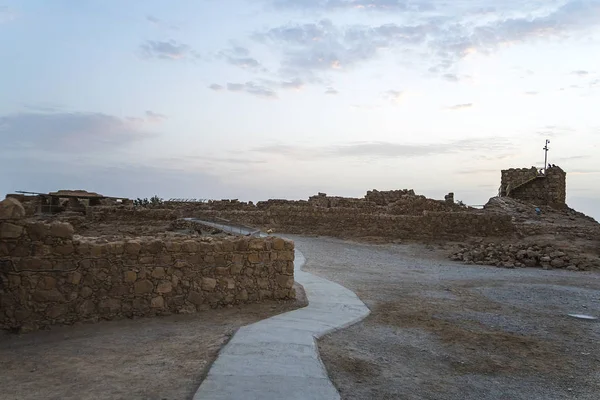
(523, 255)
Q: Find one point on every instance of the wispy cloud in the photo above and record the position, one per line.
(394, 96)
(252, 88)
(155, 117)
(331, 91)
(60, 132)
(6, 14)
(531, 93)
(240, 57)
(167, 50)
(160, 23)
(477, 171)
(264, 88)
(324, 47)
(335, 5)
(580, 73)
(385, 149)
(458, 107)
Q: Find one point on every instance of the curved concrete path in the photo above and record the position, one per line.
(277, 358)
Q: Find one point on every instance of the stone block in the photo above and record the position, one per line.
(157, 302)
(109, 305)
(173, 247)
(195, 297)
(87, 307)
(48, 295)
(144, 286)
(164, 287)
(130, 276)
(222, 271)
(64, 249)
(242, 295)
(158, 272)
(86, 292)
(154, 246)
(96, 249)
(10, 231)
(278, 244)
(34, 264)
(56, 311)
(285, 281)
(47, 282)
(263, 283)
(227, 283)
(11, 208)
(132, 247)
(256, 244)
(189, 246)
(209, 284)
(115, 247)
(62, 230)
(254, 258)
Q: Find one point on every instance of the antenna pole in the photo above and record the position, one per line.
(546, 155)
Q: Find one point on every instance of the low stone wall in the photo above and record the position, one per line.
(346, 222)
(49, 276)
(524, 255)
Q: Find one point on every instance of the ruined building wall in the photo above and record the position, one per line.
(49, 276)
(347, 222)
(542, 190)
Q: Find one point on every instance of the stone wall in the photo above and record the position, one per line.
(347, 222)
(49, 276)
(548, 189)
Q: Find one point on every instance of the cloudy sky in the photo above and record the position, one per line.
(256, 99)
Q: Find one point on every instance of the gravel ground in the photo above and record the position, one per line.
(443, 330)
(162, 358)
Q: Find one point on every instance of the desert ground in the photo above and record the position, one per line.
(162, 358)
(438, 330)
(444, 330)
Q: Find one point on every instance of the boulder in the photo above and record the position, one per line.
(11, 209)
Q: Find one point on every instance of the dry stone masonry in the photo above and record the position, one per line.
(524, 255)
(533, 186)
(50, 276)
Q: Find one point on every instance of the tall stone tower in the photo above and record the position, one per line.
(537, 187)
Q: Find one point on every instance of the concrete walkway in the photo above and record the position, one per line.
(277, 358)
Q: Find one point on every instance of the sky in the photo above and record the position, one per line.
(258, 99)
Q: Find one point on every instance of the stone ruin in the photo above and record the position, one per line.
(542, 187)
(50, 274)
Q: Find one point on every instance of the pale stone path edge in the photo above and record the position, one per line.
(278, 358)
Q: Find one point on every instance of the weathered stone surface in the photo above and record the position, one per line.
(10, 231)
(209, 284)
(158, 272)
(157, 302)
(11, 209)
(62, 230)
(64, 249)
(56, 279)
(164, 287)
(130, 276)
(86, 292)
(278, 244)
(195, 297)
(48, 295)
(132, 247)
(144, 286)
(285, 281)
(109, 305)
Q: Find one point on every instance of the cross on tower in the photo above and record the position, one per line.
(546, 155)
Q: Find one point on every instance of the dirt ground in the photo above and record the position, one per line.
(151, 358)
(443, 330)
